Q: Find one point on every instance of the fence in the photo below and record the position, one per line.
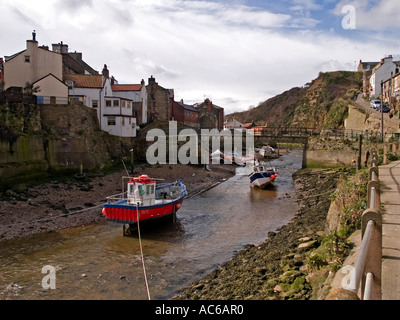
(52, 100)
(367, 270)
(328, 133)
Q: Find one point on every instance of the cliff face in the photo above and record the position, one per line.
(321, 105)
(36, 139)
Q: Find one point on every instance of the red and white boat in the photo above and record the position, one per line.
(144, 201)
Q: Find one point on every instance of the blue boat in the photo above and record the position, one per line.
(263, 176)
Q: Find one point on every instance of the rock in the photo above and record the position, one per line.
(20, 188)
(288, 276)
(11, 194)
(278, 288)
(308, 245)
(271, 234)
(342, 294)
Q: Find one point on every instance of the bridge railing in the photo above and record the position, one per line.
(331, 133)
(365, 276)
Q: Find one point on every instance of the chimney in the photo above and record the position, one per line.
(60, 47)
(105, 72)
(152, 80)
(34, 35)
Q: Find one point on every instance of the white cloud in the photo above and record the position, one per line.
(235, 54)
(374, 15)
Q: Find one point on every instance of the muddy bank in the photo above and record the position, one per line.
(277, 268)
(64, 203)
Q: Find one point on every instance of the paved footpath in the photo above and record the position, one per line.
(389, 176)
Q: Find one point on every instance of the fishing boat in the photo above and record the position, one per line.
(267, 151)
(144, 201)
(263, 176)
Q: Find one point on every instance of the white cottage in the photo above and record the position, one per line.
(95, 91)
(137, 94)
(234, 124)
(383, 71)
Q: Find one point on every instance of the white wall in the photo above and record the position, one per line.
(384, 72)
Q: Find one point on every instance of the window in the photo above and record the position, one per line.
(28, 59)
(108, 103)
(116, 103)
(131, 189)
(111, 121)
(95, 104)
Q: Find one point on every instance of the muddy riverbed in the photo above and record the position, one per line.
(95, 255)
(63, 203)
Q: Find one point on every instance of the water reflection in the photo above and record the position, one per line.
(257, 194)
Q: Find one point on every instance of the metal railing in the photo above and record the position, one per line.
(367, 270)
(349, 134)
(368, 267)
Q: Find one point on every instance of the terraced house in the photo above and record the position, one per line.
(62, 77)
(115, 113)
(40, 67)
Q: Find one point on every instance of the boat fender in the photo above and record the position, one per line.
(178, 206)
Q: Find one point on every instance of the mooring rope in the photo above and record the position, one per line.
(141, 252)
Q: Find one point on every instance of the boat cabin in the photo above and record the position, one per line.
(142, 190)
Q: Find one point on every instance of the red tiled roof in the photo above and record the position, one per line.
(126, 87)
(85, 81)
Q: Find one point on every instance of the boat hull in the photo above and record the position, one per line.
(122, 212)
(263, 179)
(262, 183)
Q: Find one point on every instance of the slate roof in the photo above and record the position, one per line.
(187, 107)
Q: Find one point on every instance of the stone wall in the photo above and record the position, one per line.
(158, 101)
(54, 138)
(332, 158)
(24, 156)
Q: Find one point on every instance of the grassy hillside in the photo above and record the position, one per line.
(322, 105)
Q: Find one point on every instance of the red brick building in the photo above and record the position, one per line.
(185, 114)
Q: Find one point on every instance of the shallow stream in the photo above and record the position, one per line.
(97, 262)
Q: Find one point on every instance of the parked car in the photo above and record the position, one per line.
(385, 108)
(375, 103)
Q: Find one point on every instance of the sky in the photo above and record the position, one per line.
(236, 53)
